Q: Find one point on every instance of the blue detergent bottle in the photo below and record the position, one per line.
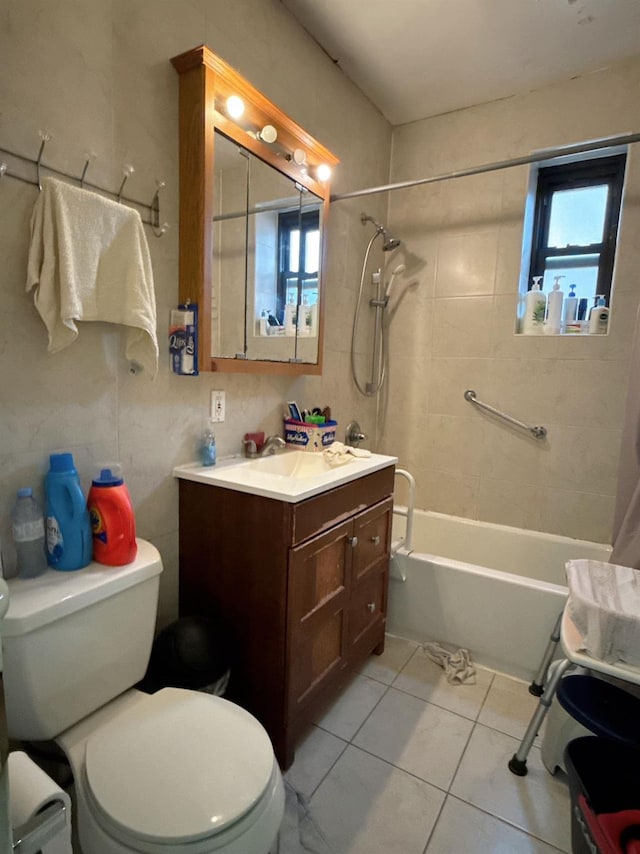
(69, 538)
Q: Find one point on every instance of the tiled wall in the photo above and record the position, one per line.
(453, 324)
(96, 75)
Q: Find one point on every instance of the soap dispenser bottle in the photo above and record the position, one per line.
(554, 308)
(599, 318)
(570, 307)
(534, 310)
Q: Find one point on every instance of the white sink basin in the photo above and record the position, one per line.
(288, 475)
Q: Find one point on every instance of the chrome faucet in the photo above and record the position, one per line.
(272, 444)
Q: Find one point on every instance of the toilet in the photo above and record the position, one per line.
(176, 771)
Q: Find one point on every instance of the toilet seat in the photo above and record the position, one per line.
(178, 768)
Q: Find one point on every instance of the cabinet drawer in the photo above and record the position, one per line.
(373, 532)
(366, 608)
(321, 512)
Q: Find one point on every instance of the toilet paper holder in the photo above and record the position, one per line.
(30, 837)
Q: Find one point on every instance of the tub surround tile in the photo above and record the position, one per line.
(466, 264)
(366, 806)
(407, 732)
(538, 803)
(462, 827)
(347, 714)
(510, 502)
(384, 668)
(585, 516)
(423, 678)
(462, 326)
(315, 756)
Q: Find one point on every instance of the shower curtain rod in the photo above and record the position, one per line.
(544, 154)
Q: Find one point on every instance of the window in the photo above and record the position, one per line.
(575, 225)
(299, 251)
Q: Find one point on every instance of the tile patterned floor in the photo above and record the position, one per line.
(404, 763)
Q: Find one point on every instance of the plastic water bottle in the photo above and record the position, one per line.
(28, 535)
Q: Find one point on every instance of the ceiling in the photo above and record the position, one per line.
(420, 58)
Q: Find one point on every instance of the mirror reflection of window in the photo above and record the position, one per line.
(299, 251)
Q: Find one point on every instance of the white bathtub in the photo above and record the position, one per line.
(494, 590)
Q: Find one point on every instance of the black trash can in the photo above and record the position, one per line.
(190, 653)
(604, 783)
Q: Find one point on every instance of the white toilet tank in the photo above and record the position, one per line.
(72, 641)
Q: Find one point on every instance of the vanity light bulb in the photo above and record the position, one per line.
(323, 172)
(299, 157)
(268, 134)
(235, 106)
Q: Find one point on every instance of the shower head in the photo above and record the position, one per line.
(388, 242)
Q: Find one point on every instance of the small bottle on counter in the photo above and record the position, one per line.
(599, 318)
(208, 447)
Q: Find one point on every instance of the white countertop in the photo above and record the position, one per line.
(307, 474)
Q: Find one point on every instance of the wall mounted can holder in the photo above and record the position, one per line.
(309, 437)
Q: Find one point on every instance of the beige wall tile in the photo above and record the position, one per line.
(466, 264)
(583, 515)
(508, 503)
(462, 326)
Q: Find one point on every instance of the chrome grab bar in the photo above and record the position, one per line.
(408, 513)
(537, 432)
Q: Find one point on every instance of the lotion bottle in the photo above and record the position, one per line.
(290, 311)
(570, 307)
(599, 318)
(554, 308)
(534, 311)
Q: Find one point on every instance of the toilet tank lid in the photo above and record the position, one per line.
(36, 602)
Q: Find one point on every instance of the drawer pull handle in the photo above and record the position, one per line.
(375, 540)
(353, 542)
(371, 606)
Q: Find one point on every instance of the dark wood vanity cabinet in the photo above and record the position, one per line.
(300, 590)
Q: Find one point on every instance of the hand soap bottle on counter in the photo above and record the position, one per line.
(112, 520)
(534, 310)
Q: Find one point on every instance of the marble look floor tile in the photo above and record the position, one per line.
(315, 755)
(537, 803)
(366, 806)
(349, 711)
(385, 667)
(416, 736)
(461, 827)
(508, 707)
(425, 679)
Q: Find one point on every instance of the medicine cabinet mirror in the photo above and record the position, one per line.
(253, 215)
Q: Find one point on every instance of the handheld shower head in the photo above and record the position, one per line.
(395, 272)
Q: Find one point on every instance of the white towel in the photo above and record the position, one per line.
(337, 453)
(457, 665)
(89, 260)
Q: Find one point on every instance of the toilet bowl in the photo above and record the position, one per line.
(175, 772)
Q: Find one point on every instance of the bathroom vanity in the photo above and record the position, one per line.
(299, 582)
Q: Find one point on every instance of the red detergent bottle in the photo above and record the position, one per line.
(112, 521)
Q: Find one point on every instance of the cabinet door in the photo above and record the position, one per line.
(318, 589)
(372, 529)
